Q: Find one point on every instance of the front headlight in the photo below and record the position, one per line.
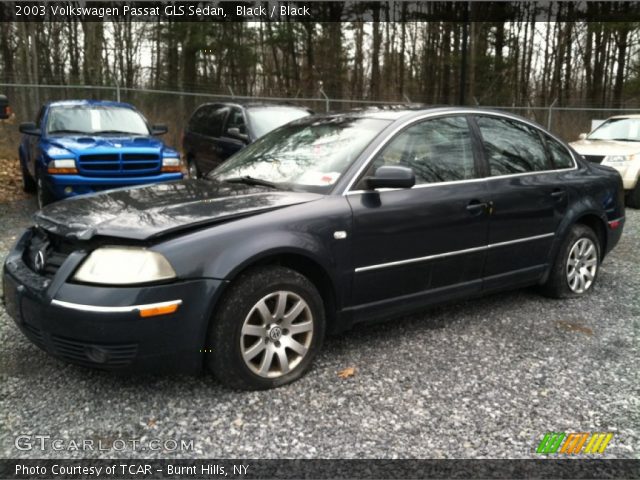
(62, 165)
(617, 158)
(171, 164)
(124, 266)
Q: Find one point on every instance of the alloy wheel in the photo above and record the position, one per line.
(276, 334)
(582, 265)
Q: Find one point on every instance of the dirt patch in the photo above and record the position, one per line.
(10, 180)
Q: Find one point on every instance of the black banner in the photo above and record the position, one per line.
(319, 11)
(319, 469)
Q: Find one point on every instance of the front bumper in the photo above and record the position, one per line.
(101, 327)
(59, 185)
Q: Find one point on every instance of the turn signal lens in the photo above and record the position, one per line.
(160, 309)
(64, 166)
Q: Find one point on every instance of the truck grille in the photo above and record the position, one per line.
(54, 251)
(119, 164)
(594, 158)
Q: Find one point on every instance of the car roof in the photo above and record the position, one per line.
(406, 112)
(631, 115)
(252, 104)
(87, 103)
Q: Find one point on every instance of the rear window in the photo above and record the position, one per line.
(263, 120)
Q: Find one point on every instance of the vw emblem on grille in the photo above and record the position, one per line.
(39, 261)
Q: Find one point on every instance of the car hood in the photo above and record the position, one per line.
(79, 144)
(150, 211)
(605, 147)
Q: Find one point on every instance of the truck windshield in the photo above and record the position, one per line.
(95, 120)
(309, 154)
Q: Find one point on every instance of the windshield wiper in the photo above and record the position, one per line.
(625, 140)
(70, 131)
(248, 180)
(101, 132)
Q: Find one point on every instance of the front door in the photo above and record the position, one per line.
(427, 243)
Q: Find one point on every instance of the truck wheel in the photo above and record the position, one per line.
(28, 183)
(633, 197)
(266, 330)
(43, 194)
(192, 168)
(576, 266)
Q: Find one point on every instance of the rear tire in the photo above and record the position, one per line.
(267, 329)
(633, 197)
(576, 266)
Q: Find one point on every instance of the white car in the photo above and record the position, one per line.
(616, 143)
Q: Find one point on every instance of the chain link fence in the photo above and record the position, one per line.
(173, 108)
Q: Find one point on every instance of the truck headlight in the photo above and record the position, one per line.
(617, 158)
(171, 164)
(62, 165)
(124, 266)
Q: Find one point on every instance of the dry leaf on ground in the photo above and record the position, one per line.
(347, 372)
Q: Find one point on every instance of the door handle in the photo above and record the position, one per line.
(558, 193)
(476, 207)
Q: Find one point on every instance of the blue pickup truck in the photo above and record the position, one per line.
(83, 146)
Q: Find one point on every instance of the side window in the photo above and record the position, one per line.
(197, 122)
(559, 153)
(236, 120)
(437, 150)
(214, 121)
(511, 147)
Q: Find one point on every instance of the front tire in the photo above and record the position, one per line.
(43, 194)
(267, 329)
(576, 266)
(28, 183)
(192, 168)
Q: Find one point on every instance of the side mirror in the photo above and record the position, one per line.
(234, 132)
(391, 177)
(159, 129)
(582, 136)
(29, 128)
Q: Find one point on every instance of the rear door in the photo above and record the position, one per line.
(528, 201)
(427, 243)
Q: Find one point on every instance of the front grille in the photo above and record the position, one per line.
(115, 164)
(54, 251)
(594, 158)
(94, 355)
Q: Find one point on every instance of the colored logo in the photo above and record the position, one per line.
(574, 443)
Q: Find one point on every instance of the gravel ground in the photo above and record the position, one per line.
(479, 379)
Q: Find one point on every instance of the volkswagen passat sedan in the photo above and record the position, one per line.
(326, 222)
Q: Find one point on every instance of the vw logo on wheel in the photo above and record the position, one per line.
(39, 261)
(275, 333)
